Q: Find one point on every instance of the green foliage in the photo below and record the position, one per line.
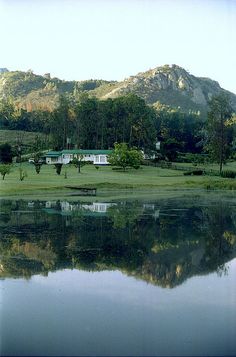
(197, 172)
(195, 158)
(219, 134)
(228, 174)
(38, 162)
(5, 169)
(58, 168)
(124, 157)
(194, 172)
(23, 174)
(6, 153)
(78, 162)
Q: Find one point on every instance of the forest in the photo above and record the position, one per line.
(81, 121)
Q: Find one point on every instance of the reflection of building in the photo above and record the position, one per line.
(97, 157)
(150, 209)
(98, 207)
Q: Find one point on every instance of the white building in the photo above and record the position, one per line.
(98, 157)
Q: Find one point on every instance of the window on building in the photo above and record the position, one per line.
(102, 158)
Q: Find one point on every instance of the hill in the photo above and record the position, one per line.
(170, 85)
(33, 91)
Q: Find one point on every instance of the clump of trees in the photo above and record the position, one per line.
(125, 157)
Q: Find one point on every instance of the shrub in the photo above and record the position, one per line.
(58, 168)
(5, 169)
(228, 174)
(188, 173)
(197, 172)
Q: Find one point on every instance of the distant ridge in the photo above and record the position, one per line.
(3, 70)
(169, 84)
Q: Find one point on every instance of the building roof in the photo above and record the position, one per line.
(78, 151)
(84, 152)
(53, 154)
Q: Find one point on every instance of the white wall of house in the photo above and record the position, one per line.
(100, 159)
(54, 160)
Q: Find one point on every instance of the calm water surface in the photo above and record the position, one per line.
(121, 278)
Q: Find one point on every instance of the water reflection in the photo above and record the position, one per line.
(163, 243)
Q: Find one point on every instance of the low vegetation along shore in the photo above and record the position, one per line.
(107, 181)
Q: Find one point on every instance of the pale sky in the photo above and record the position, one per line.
(113, 39)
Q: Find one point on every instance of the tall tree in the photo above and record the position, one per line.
(6, 153)
(219, 133)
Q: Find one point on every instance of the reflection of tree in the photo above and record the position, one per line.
(218, 227)
(124, 214)
(164, 251)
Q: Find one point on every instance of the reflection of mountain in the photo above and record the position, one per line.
(162, 243)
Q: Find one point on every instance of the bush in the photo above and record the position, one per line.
(194, 172)
(58, 168)
(228, 174)
(197, 172)
(188, 173)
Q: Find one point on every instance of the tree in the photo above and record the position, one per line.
(6, 153)
(38, 162)
(219, 133)
(78, 162)
(124, 157)
(58, 168)
(5, 169)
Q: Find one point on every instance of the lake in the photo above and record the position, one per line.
(146, 277)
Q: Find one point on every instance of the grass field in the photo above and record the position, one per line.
(108, 182)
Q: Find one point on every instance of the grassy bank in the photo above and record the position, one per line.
(27, 137)
(108, 182)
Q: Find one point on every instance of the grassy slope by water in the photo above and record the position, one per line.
(107, 181)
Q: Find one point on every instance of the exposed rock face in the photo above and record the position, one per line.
(172, 85)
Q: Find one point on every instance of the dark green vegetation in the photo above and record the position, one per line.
(220, 135)
(183, 238)
(6, 153)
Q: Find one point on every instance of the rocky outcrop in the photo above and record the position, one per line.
(171, 85)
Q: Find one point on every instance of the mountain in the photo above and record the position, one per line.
(170, 85)
(33, 91)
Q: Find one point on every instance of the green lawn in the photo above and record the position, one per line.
(106, 180)
(228, 166)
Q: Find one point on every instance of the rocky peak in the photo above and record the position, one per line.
(172, 85)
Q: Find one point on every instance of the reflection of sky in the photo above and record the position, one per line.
(116, 286)
(77, 312)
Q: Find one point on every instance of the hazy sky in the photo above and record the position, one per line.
(113, 39)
